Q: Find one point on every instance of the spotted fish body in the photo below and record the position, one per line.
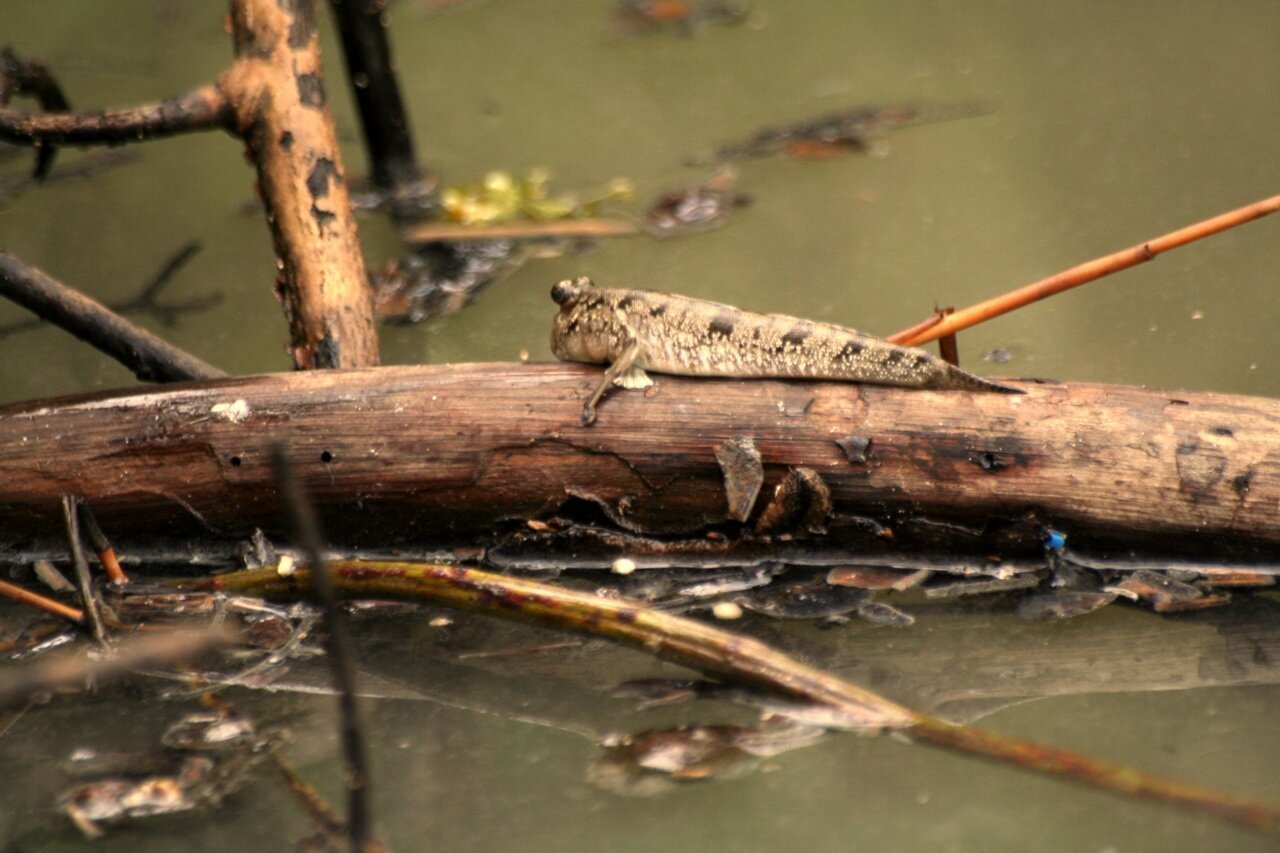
(691, 337)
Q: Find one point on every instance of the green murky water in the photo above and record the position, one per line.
(1116, 122)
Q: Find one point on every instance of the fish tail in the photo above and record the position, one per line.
(961, 380)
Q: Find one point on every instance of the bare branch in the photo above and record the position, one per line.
(205, 108)
(150, 358)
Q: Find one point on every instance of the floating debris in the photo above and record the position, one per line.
(653, 762)
(957, 589)
(696, 209)
(810, 598)
(1164, 594)
(1063, 605)
(851, 130)
(688, 17)
(205, 758)
(876, 577)
(735, 581)
(439, 278)
(879, 613)
(500, 197)
(1237, 577)
(726, 611)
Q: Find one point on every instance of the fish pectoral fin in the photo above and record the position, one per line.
(612, 373)
(633, 378)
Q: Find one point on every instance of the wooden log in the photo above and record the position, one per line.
(454, 455)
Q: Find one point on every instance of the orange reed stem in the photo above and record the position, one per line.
(40, 602)
(1082, 274)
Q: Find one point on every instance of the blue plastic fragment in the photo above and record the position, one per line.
(1055, 540)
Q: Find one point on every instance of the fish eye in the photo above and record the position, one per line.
(562, 292)
(568, 291)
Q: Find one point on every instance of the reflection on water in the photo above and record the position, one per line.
(1114, 122)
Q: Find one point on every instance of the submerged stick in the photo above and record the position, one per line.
(366, 48)
(1082, 274)
(733, 657)
(306, 530)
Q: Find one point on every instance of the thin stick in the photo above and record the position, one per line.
(1098, 774)
(150, 358)
(205, 108)
(1083, 274)
(370, 70)
(101, 545)
(67, 670)
(310, 799)
(740, 659)
(88, 599)
(48, 605)
(306, 530)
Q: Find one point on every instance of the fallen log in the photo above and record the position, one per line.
(459, 456)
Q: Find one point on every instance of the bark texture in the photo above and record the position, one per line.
(277, 89)
(460, 455)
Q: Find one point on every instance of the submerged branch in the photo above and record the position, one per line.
(306, 532)
(738, 659)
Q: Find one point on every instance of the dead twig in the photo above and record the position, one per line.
(272, 97)
(741, 660)
(150, 358)
(428, 232)
(388, 139)
(40, 602)
(306, 530)
(17, 684)
(88, 599)
(310, 799)
(1082, 274)
(206, 108)
(101, 544)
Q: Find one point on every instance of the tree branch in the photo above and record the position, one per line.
(150, 358)
(203, 109)
(277, 88)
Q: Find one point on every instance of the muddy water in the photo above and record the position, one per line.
(1115, 122)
